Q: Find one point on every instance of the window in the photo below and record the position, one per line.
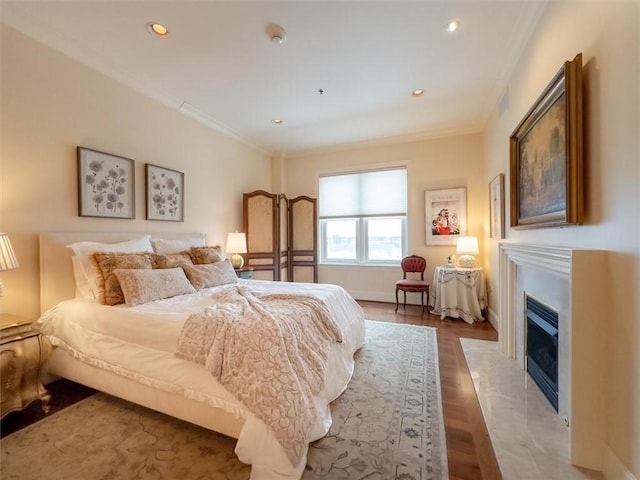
(363, 217)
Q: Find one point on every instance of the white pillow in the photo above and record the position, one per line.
(83, 290)
(166, 246)
(84, 250)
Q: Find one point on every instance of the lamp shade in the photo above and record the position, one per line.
(467, 246)
(236, 243)
(8, 259)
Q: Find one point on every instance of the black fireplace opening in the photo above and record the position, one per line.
(542, 347)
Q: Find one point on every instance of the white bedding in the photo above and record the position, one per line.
(139, 343)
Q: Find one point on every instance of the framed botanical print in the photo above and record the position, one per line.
(106, 185)
(165, 193)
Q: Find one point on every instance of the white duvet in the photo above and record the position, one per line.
(139, 343)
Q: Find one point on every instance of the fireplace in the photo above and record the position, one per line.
(572, 281)
(542, 347)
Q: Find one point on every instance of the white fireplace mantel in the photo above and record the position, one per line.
(581, 273)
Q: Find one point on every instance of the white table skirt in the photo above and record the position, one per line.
(458, 293)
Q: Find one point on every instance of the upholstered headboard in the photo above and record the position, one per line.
(56, 271)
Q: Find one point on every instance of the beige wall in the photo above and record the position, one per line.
(607, 34)
(450, 162)
(51, 104)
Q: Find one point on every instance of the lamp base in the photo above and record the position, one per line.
(466, 261)
(237, 261)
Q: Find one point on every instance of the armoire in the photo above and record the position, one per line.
(282, 241)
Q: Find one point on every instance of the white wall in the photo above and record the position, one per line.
(442, 163)
(49, 105)
(607, 34)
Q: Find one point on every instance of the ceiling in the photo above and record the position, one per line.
(220, 65)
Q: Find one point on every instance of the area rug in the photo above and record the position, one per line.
(388, 424)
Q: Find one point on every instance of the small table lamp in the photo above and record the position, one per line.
(236, 244)
(466, 248)
(8, 259)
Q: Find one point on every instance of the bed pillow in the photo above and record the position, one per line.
(211, 274)
(171, 260)
(202, 255)
(165, 246)
(109, 291)
(143, 286)
(85, 250)
(83, 289)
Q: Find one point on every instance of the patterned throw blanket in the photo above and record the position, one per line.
(270, 351)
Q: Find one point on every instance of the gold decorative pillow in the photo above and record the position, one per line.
(143, 286)
(202, 255)
(109, 291)
(171, 260)
(210, 275)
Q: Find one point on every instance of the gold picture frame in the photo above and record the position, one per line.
(546, 155)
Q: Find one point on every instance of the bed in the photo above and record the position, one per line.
(129, 350)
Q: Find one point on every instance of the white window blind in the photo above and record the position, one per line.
(380, 192)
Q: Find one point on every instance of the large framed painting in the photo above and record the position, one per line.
(546, 155)
(445, 215)
(106, 185)
(496, 206)
(165, 194)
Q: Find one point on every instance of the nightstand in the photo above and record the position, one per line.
(244, 272)
(23, 355)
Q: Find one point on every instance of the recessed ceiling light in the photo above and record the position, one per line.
(276, 121)
(418, 92)
(157, 30)
(452, 26)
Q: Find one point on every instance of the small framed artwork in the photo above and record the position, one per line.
(496, 206)
(106, 185)
(165, 193)
(546, 155)
(445, 215)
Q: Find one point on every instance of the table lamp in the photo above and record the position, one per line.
(236, 244)
(8, 259)
(466, 248)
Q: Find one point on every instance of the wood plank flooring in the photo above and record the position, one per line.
(469, 450)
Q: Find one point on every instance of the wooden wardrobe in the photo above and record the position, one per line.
(281, 236)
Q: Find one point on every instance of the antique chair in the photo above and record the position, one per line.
(415, 266)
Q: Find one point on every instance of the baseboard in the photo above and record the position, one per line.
(383, 297)
(613, 468)
(493, 318)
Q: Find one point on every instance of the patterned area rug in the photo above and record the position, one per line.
(387, 425)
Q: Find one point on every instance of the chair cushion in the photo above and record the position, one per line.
(407, 284)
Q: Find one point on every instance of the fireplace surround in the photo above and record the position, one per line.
(571, 281)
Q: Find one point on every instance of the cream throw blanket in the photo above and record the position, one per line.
(270, 351)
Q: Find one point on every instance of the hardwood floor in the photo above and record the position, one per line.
(469, 450)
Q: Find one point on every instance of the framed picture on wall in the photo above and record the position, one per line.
(106, 185)
(445, 215)
(546, 155)
(496, 206)
(165, 193)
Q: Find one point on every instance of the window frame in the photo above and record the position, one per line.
(362, 244)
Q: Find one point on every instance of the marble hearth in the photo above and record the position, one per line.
(572, 282)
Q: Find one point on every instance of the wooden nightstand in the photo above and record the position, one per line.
(23, 355)
(244, 272)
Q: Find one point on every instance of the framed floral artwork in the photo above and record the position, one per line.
(106, 185)
(445, 215)
(165, 193)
